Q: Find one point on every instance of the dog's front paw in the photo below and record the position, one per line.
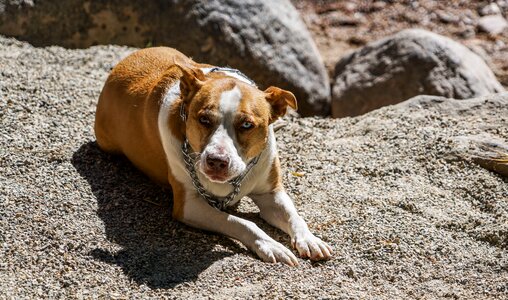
(271, 251)
(311, 246)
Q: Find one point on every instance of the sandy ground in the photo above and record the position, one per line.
(407, 218)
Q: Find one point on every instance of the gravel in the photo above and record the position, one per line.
(407, 218)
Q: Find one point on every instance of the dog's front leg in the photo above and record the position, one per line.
(277, 209)
(197, 213)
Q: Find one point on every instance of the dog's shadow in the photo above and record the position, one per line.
(155, 249)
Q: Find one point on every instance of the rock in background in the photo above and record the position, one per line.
(410, 63)
(492, 24)
(264, 39)
(485, 150)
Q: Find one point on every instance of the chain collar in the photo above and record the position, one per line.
(218, 202)
(237, 72)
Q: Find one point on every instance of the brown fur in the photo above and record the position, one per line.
(127, 112)
(280, 99)
(275, 178)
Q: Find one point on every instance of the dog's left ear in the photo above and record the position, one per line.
(191, 80)
(280, 99)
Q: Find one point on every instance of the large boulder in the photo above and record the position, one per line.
(410, 63)
(264, 39)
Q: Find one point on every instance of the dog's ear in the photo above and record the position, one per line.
(191, 81)
(280, 99)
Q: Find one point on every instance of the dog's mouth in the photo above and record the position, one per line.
(219, 178)
(222, 176)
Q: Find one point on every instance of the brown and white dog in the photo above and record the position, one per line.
(157, 99)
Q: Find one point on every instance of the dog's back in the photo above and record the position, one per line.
(128, 99)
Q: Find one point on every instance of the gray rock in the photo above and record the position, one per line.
(410, 63)
(490, 9)
(502, 4)
(494, 24)
(264, 39)
(486, 150)
(447, 18)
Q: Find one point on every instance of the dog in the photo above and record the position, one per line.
(208, 133)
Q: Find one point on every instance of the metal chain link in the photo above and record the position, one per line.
(220, 69)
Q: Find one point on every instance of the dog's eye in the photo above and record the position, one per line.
(204, 120)
(247, 125)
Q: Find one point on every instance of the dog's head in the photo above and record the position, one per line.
(228, 120)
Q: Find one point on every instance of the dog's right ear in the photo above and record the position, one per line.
(191, 80)
(280, 99)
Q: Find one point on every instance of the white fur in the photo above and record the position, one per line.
(170, 144)
(278, 210)
(229, 102)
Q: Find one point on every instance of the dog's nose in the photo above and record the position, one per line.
(217, 163)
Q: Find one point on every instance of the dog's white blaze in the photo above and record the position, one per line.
(229, 101)
(223, 139)
(228, 106)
